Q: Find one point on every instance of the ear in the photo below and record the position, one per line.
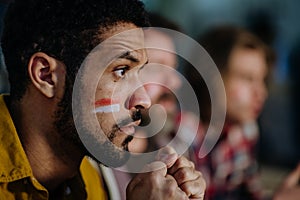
(46, 73)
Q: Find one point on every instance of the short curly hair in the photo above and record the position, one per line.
(64, 29)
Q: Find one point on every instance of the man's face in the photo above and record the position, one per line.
(245, 85)
(110, 83)
(120, 97)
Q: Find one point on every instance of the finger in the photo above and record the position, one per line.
(180, 195)
(154, 169)
(167, 150)
(172, 189)
(169, 160)
(181, 162)
(172, 185)
(167, 155)
(157, 167)
(186, 174)
(195, 188)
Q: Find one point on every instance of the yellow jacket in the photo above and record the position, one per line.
(17, 180)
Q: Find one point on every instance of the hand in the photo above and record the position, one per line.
(154, 185)
(188, 179)
(290, 188)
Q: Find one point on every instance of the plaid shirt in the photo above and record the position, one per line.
(230, 169)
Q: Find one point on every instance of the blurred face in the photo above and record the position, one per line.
(160, 80)
(245, 85)
(159, 73)
(117, 97)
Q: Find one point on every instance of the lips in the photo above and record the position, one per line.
(129, 129)
(257, 109)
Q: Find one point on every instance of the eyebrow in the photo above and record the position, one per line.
(144, 65)
(130, 57)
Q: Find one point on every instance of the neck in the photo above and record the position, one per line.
(52, 159)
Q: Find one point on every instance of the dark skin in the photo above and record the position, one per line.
(35, 125)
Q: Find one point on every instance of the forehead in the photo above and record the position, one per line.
(122, 32)
(123, 37)
(247, 59)
(117, 40)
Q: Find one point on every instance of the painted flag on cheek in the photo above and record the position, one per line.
(106, 106)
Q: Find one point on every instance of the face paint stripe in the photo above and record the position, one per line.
(107, 109)
(105, 102)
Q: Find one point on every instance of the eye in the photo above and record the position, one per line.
(247, 77)
(121, 71)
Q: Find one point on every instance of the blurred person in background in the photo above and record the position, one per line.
(161, 78)
(244, 61)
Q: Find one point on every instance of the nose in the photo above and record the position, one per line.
(139, 99)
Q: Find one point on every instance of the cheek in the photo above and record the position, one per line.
(106, 110)
(239, 103)
(238, 95)
(107, 105)
(106, 121)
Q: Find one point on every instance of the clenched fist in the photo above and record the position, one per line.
(171, 177)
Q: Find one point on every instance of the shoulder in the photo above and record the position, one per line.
(92, 178)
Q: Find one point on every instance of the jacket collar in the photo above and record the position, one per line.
(14, 162)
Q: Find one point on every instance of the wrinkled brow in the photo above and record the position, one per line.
(127, 55)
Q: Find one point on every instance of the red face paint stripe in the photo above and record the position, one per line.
(105, 102)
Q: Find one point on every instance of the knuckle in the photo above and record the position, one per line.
(154, 179)
(184, 162)
(201, 185)
(202, 181)
(192, 164)
(181, 160)
(186, 188)
(182, 195)
(198, 174)
(171, 181)
(170, 190)
(182, 174)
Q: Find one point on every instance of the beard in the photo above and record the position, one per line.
(86, 137)
(67, 138)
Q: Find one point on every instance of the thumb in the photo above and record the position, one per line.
(167, 155)
(156, 167)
